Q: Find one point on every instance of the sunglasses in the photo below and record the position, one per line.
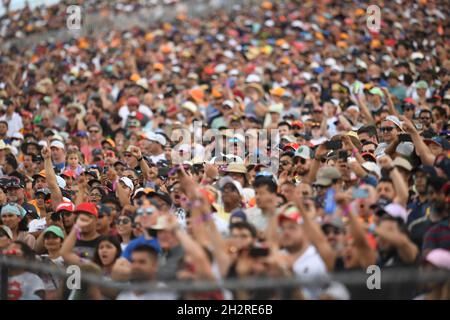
(425, 118)
(386, 129)
(147, 211)
(123, 221)
(285, 163)
(94, 131)
(301, 160)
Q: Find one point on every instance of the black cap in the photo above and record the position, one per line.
(426, 169)
(162, 195)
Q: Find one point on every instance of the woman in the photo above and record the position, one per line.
(12, 216)
(53, 238)
(124, 226)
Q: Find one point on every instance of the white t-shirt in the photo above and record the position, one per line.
(310, 265)
(162, 295)
(14, 123)
(24, 286)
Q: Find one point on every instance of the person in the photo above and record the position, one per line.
(12, 216)
(85, 230)
(125, 230)
(6, 237)
(24, 285)
(143, 267)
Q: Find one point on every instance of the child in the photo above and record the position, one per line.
(73, 162)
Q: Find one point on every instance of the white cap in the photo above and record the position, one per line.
(57, 144)
(220, 68)
(128, 183)
(157, 138)
(17, 135)
(253, 78)
(397, 211)
(330, 62)
(189, 105)
(372, 167)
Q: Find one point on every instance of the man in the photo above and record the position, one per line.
(265, 196)
(143, 268)
(15, 193)
(4, 131)
(232, 197)
(419, 205)
(87, 236)
(334, 230)
(375, 99)
(368, 133)
(302, 162)
(67, 212)
(13, 119)
(94, 141)
(6, 237)
(244, 234)
(426, 119)
(437, 212)
(306, 260)
(58, 155)
(130, 159)
(158, 142)
(104, 221)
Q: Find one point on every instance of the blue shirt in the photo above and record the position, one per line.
(418, 210)
(138, 241)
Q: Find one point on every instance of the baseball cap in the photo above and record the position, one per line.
(326, 175)
(68, 173)
(7, 231)
(87, 207)
(57, 144)
(157, 138)
(429, 170)
(303, 152)
(395, 121)
(236, 168)
(128, 183)
(227, 180)
(14, 209)
(65, 206)
(162, 195)
(189, 105)
(440, 141)
(333, 221)
(55, 230)
(372, 168)
(422, 85)
(402, 163)
(396, 211)
(376, 91)
(292, 214)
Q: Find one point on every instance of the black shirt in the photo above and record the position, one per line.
(85, 249)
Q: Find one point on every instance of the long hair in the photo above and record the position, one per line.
(111, 239)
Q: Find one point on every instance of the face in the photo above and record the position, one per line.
(388, 131)
(230, 194)
(124, 225)
(3, 129)
(390, 226)
(107, 253)
(4, 240)
(292, 235)
(10, 220)
(350, 255)
(386, 190)
(287, 190)
(334, 236)
(286, 163)
(73, 160)
(242, 237)
(57, 154)
(369, 148)
(119, 169)
(284, 130)
(425, 119)
(301, 165)
(94, 134)
(264, 198)
(68, 218)
(40, 183)
(103, 222)
(52, 242)
(143, 266)
(28, 162)
(95, 195)
(14, 194)
(166, 239)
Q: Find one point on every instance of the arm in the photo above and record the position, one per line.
(406, 249)
(360, 100)
(400, 186)
(123, 196)
(390, 149)
(315, 164)
(422, 150)
(367, 256)
(314, 232)
(68, 245)
(136, 152)
(56, 195)
(389, 102)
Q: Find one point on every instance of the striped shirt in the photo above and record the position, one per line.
(438, 236)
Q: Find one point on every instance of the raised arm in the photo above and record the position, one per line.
(389, 102)
(69, 243)
(406, 249)
(361, 101)
(422, 150)
(52, 183)
(400, 186)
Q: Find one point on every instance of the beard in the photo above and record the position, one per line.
(439, 207)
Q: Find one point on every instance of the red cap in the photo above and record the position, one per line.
(68, 173)
(291, 214)
(65, 206)
(297, 123)
(133, 101)
(292, 145)
(87, 207)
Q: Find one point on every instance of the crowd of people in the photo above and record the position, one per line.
(279, 140)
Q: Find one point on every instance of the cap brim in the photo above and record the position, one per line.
(323, 182)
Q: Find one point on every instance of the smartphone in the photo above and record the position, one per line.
(343, 155)
(360, 193)
(404, 137)
(330, 202)
(333, 144)
(256, 252)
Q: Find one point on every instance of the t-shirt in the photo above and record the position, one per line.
(85, 249)
(51, 282)
(37, 225)
(438, 236)
(163, 295)
(169, 263)
(138, 241)
(418, 229)
(24, 286)
(310, 265)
